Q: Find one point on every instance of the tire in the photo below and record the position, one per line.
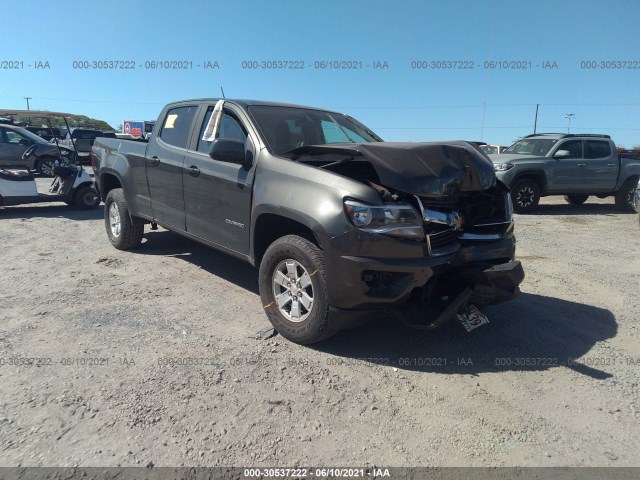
(45, 166)
(624, 196)
(576, 199)
(122, 231)
(302, 321)
(86, 198)
(525, 196)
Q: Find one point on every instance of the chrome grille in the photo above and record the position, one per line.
(438, 242)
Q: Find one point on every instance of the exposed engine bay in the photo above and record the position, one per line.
(451, 185)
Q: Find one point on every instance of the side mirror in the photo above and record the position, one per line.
(24, 142)
(562, 154)
(230, 150)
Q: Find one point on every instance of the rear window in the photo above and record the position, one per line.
(597, 149)
(176, 128)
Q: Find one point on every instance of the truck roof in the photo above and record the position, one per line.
(566, 135)
(244, 103)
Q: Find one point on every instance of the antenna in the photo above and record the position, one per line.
(221, 89)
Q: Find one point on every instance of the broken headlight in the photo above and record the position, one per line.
(395, 219)
(502, 167)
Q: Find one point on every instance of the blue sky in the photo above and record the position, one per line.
(400, 103)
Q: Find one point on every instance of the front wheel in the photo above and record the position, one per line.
(525, 196)
(45, 166)
(86, 198)
(576, 199)
(624, 196)
(293, 289)
(122, 231)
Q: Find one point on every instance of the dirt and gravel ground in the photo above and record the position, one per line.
(553, 380)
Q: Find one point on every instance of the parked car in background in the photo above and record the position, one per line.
(573, 165)
(81, 140)
(493, 149)
(45, 132)
(20, 147)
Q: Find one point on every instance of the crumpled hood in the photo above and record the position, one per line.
(423, 169)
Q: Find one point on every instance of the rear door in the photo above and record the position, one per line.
(164, 162)
(218, 194)
(602, 165)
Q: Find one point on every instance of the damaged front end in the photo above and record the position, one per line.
(440, 240)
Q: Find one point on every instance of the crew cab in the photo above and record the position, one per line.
(340, 224)
(573, 165)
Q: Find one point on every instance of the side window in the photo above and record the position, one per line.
(176, 128)
(3, 135)
(230, 127)
(13, 137)
(574, 147)
(597, 149)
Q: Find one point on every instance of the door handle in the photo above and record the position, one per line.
(582, 164)
(611, 164)
(193, 171)
(155, 161)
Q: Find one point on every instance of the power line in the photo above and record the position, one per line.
(362, 106)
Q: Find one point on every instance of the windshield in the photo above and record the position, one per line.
(532, 146)
(287, 128)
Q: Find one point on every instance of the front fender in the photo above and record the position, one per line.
(289, 213)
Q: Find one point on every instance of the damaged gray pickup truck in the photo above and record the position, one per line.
(342, 225)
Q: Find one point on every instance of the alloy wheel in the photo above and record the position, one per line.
(114, 220)
(293, 290)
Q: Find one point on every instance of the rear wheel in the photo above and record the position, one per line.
(86, 198)
(576, 199)
(624, 196)
(123, 232)
(293, 289)
(525, 196)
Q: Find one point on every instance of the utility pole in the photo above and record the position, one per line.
(569, 116)
(27, 99)
(535, 122)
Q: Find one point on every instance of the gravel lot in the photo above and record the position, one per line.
(553, 380)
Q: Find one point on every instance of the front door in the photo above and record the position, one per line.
(218, 194)
(12, 146)
(568, 174)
